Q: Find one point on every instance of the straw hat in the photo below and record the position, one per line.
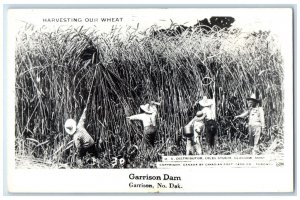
(70, 126)
(253, 97)
(148, 109)
(205, 102)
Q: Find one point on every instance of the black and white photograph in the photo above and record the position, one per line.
(152, 89)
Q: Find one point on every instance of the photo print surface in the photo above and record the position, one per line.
(165, 90)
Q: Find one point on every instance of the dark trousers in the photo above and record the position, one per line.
(149, 135)
(91, 150)
(211, 131)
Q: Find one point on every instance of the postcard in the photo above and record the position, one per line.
(185, 100)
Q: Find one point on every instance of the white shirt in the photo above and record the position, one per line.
(256, 116)
(209, 114)
(147, 119)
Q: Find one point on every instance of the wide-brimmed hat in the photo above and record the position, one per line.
(148, 108)
(205, 102)
(253, 97)
(70, 126)
(199, 114)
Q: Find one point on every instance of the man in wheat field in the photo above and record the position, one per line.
(208, 109)
(84, 143)
(256, 124)
(198, 127)
(149, 121)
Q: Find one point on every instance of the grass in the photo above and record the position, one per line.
(53, 84)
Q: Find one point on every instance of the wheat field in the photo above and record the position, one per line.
(54, 83)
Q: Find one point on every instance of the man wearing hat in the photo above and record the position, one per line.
(148, 118)
(194, 142)
(208, 109)
(256, 122)
(84, 143)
